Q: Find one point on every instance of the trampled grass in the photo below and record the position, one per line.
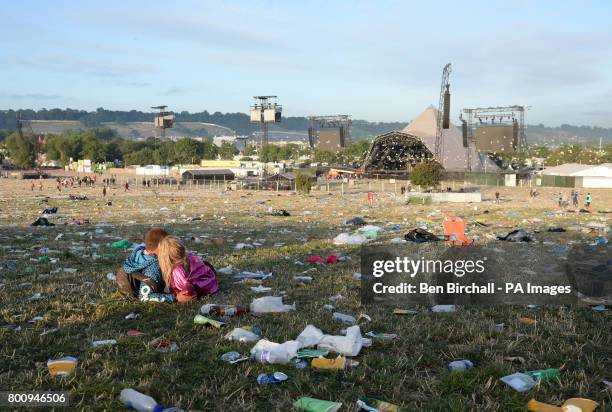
(409, 371)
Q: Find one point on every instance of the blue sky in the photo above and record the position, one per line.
(379, 61)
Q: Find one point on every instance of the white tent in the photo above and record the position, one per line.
(587, 176)
(454, 156)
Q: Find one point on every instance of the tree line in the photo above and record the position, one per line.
(241, 124)
(103, 145)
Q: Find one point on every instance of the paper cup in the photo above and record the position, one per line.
(316, 405)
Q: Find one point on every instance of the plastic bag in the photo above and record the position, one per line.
(270, 304)
(519, 382)
(347, 239)
(310, 336)
(242, 335)
(348, 345)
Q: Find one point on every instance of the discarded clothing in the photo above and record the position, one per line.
(518, 235)
(42, 221)
(279, 212)
(318, 259)
(77, 197)
(356, 221)
(419, 235)
(51, 211)
(556, 230)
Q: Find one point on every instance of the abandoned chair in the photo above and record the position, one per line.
(454, 231)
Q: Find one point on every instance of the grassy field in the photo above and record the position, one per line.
(409, 371)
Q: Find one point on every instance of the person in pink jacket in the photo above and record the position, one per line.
(188, 277)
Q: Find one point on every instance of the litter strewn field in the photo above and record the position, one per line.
(58, 299)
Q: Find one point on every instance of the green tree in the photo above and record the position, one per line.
(249, 150)
(303, 184)
(227, 151)
(606, 156)
(358, 150)
(540, 151)
(323, 156)
(167, 152)
(427, 174)
(59, 148)
(209, 150)
(188, 151)
(145, 156)
(103, 133)
(113, 150)
(93, 149)
(288, 151)
(574, 154)
(268, 153)
(22, 150)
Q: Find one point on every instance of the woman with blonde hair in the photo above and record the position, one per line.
(188, 277)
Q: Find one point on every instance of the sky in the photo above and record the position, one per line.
(375, 60)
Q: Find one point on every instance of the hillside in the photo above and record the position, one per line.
(132, 130)
(136, 124)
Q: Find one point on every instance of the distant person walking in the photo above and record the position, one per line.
(40, 186)
(588, 200)
(32, 186)
(104, 192)
(575, 198)
(127, 186)
(496, 197)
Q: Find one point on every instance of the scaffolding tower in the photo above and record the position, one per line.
(501, 115)
(264, 111)
(342, 122)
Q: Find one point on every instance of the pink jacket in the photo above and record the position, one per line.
(202, 280)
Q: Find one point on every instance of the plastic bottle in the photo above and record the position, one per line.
(460, 365)
(271, 356)
(223, 310)
(108, 342)
(270, 352)
(139, 401)
(346, 319)
(543, 374)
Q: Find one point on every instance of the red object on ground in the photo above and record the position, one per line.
(133, 332)
(331, 259)
(319, 259)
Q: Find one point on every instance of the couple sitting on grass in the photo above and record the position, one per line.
(162, 271)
